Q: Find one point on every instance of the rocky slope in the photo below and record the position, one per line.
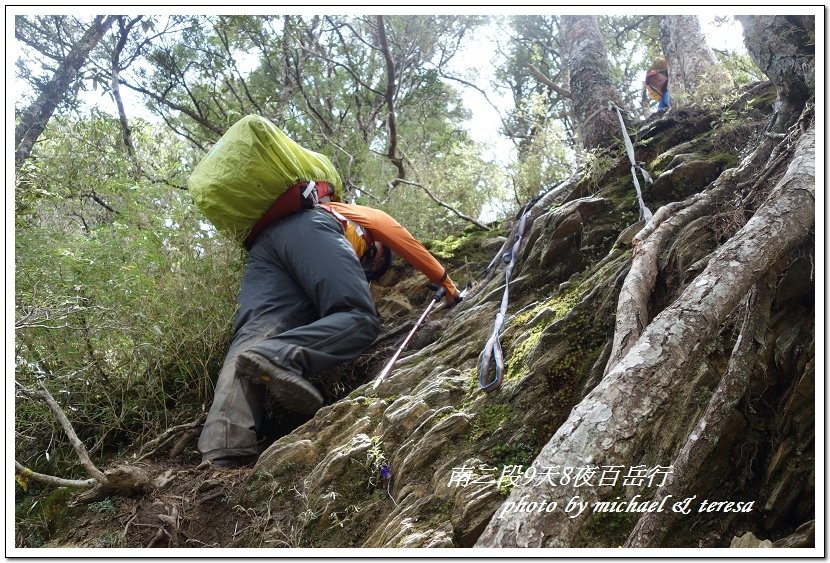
(450, 453)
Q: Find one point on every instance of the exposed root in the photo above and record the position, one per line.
(187, 438)
(633, 314)
(652, 527)
(632, 306)
(44, 395)
(26, 473)
(124, 481)
(610, 424)
(161, 533)
(153, 446)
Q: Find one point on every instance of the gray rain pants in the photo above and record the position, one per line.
(305, 305)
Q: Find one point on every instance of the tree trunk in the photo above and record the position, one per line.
(124, 33)
(389, 97)
(783, 47)
(610, 425)
(34, 119)
(590, 86)
(692, 64)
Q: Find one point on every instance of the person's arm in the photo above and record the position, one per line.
(394, 235)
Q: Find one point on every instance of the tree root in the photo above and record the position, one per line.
(652, 527)
(25, 473)
(632, 308)
(610, 424)
(804, 536)
(632, 305)
(161, 533)
(153, 446)
(182, 442)
(123, 480)
(44, 395)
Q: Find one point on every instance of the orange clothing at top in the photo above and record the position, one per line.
(387, 230)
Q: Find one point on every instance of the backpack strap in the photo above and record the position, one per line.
(303, 195)
(345, 222)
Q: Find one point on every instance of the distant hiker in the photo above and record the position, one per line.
(304, 303)
(657, 83)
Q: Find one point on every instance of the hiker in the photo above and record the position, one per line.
(657, 83)
(304, 307)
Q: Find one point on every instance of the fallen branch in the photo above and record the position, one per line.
(44, 395)
(156, 444)
(123, 480)
(27, 473)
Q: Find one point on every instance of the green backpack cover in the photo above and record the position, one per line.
(253, 164)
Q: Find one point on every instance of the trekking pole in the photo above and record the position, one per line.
(438, 295)
(435, 298)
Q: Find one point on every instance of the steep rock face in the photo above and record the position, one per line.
(427, 459)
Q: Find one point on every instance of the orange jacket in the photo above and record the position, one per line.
(394, 235)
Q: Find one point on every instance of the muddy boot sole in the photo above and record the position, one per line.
(292, 391)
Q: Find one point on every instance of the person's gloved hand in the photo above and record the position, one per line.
(449, 300)
(453, 300)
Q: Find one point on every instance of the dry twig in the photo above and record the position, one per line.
(44, 395)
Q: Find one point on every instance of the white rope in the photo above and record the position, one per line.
(645, 213)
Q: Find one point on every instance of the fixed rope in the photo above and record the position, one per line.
(645, 213)
(492, 357)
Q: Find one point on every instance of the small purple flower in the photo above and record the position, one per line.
(385, 472)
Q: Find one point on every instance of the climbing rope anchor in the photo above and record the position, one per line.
(645, 213)
(492, 357)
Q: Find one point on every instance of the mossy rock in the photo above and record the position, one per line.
(683, 180)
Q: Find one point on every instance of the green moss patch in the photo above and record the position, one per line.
(488, 419)
(608, 529)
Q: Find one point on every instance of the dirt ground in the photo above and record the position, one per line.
(195, 508)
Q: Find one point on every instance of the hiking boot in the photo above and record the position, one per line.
(234, 462)
(229, 462)
(291, 390)
(226, 463)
